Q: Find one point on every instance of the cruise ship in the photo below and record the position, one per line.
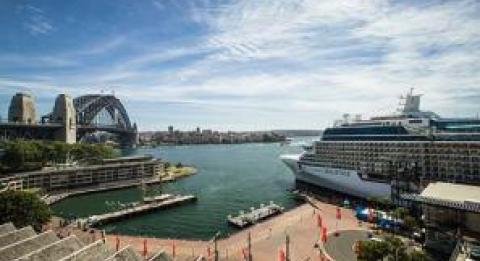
(388, 155)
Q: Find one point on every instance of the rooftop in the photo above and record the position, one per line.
(452, 192)
(450, 195)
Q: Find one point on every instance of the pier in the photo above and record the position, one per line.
(57, 196)
(255, 215)
(137, 209)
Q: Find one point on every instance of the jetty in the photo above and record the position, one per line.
(157, 198)
(138, 208)
(255, 215)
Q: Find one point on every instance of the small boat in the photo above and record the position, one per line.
(255, 215)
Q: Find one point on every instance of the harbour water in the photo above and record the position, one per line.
(230, 178)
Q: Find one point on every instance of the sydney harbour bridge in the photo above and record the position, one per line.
(71, 120)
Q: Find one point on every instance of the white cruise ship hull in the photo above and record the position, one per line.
(341, 180)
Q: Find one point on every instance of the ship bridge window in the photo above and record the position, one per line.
(415, 121)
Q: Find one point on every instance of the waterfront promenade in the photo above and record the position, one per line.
(267, 238)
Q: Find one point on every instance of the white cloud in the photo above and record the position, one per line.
(301, 59)
(373, 49)
(37, 23)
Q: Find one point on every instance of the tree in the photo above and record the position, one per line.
(410, 222)
(401, 212)
(372, 250)
(179, 165)
(23, 208)
(396, 250)
(166, 165)
(418, 256)
(391, 249)
(22, 155)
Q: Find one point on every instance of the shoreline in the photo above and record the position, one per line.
(267, 237)
(199, 144)
(57, 196)
(170, 176)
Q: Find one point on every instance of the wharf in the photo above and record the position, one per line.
(137, 209)
(255, 215)
(57, 196)
(157, 198)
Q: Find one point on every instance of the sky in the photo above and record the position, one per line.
(244, 65)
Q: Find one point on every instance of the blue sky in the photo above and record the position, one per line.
(244, 65)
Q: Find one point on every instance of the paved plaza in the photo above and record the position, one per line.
(267, 238)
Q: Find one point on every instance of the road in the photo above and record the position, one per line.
(341, 248)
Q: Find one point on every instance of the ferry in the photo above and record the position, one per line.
(374, 158)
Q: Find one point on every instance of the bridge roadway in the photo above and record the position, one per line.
(45, 131)
(13, 125)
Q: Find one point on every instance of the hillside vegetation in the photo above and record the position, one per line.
(26, 155)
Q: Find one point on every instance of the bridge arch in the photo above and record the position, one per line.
(89, 106)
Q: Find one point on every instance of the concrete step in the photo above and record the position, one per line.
(27, 245)
(16, 235)
(6, 228)
(163, 256)
(54, 251)
(125, 254)
(160, 256)
(92, 252)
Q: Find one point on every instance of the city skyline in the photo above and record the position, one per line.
(243, 65)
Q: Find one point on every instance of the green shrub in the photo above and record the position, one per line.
(23, 208)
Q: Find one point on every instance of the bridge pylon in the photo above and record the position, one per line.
(65, 114)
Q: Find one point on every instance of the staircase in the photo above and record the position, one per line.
(25, 244)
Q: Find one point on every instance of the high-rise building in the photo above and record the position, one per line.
(170, 130)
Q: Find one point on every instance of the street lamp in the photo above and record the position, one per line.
(287, 248)
(214, 239)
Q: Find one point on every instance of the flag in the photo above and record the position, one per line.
(319, 220)
(324, 234)
(281, 255)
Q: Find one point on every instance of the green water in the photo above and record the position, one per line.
(230, 178)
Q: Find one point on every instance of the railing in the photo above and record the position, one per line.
(6, 122)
